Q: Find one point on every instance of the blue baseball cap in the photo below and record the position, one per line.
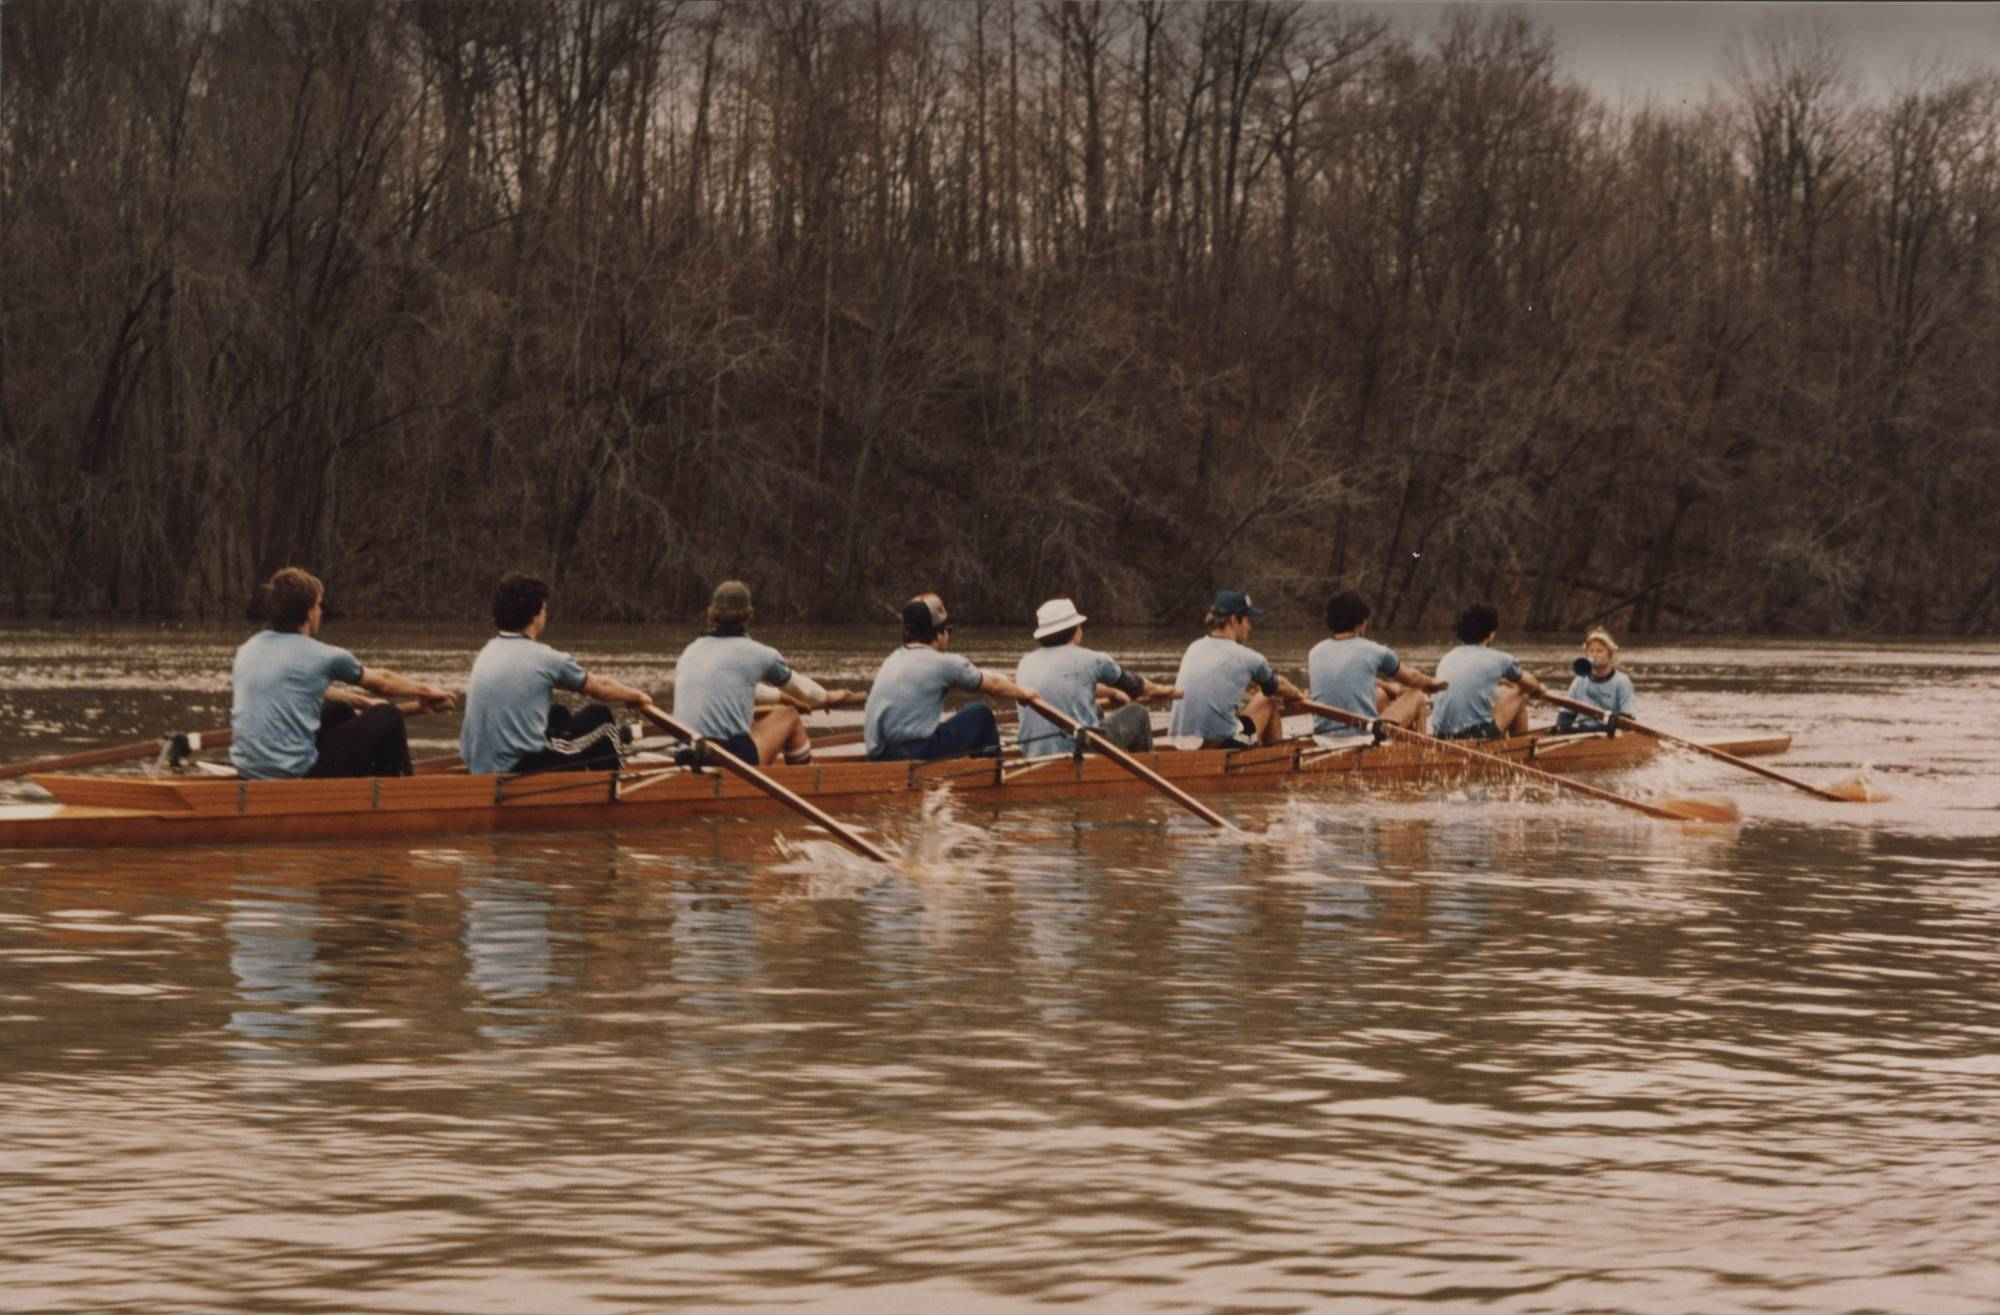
(1234, 602)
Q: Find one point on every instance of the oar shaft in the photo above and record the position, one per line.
(87, 758)
(1597, 713)
(1493, 759)
(1070, 726)
(737, 767)
(216, 739)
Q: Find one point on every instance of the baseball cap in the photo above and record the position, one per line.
(730, 596)
(925, 614)
(1234, 602)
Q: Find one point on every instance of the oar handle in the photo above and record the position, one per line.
(730, 762)
(1069, 725)
(1488, 759)
(1577, 705)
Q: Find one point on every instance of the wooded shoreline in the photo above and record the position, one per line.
(852, 299)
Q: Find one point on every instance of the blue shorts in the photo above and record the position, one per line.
(742, 746)
(971, 732)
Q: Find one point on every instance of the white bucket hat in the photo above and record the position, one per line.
(1055, 616)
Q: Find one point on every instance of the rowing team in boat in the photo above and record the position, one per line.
(290, 718)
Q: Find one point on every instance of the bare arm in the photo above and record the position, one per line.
(1409, 675)
(992, 682)
(803, 689)
(380, 680)
(805, 694)
(611, 691)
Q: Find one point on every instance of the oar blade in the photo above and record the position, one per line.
(1856, 790)
(1704, 809)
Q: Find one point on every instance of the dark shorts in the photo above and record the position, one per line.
(1245, 738)
(1485, 730)
(971, 732)
(741, 746)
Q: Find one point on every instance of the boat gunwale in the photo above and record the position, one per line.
(466, 803)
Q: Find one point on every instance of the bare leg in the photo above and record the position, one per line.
(1263, 710)
(1406, 709)
(1510, 712)
(775, 732)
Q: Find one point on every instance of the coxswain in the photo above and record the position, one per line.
(1071, 678)
(900, 719)
(1217, 670)
(284, 722)
(512, 722)
(1599, 683)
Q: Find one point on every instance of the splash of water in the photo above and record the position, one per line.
(938, 845)
(941, 844)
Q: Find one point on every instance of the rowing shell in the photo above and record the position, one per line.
(164, 811)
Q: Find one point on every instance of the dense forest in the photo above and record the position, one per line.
(852, 298)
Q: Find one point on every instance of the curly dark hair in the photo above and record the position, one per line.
(1477, 623)
(517, 599)
(1346, 612)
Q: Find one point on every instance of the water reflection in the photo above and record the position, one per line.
(275, 960)
(510, 952)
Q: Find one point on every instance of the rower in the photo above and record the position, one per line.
(1352, 672)
(1599, 683)
(282, 719)
(1473, 708)
(716, 681)
(511, 722)
(900, 720)
(1071, 677)
(1215, 672)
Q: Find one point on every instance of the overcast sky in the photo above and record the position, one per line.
(1672, 49)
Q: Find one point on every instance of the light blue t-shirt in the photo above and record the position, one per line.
(1067, 677)
(908, 694)
(279, 682)
(1214, 673)
(1343, 673)
(1473, 671)
(715, 683)
(507, 701)
(1613, 694)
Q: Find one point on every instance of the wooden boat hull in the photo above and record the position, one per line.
(105, 811)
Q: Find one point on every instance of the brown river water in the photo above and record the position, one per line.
(1471, 1047)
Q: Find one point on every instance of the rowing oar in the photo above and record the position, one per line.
(1846, 792)
(1096, 739)
(142, 748)
(839, 739)
(681, 731)
(1675, 810)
